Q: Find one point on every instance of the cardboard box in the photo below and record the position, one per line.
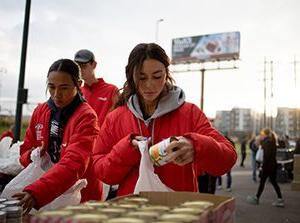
(223, 210)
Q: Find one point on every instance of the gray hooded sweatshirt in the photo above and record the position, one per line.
(172, 100)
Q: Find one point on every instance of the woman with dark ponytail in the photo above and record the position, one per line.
(66, 128)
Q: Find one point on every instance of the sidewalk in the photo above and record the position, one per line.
(242, 185)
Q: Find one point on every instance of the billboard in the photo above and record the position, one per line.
(205, 48)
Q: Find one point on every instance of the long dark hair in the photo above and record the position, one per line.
(70, 67)
(136, 58)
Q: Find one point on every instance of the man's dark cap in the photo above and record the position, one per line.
(84, 56)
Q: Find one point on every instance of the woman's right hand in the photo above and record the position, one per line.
(136, 139)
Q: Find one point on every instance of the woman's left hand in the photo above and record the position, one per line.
(181, 152)
(26, 201)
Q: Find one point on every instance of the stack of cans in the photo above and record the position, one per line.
(10, 212)
(125, 210)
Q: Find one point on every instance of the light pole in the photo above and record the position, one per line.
(157, 29)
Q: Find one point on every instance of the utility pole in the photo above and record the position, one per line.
(271, 104)
(157, 30)
(295, 71)
(265, 92)
(22, 92)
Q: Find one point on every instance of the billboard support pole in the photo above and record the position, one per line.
(22, 93)
(202, 89)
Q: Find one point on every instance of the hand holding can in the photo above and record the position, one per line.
(158, 152)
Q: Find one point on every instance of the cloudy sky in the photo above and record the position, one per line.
(111, 28)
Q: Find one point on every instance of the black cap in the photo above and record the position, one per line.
(84, 56)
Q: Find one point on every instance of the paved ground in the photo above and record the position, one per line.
(264, 212)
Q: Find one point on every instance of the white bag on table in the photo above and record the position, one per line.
(33, 172)
(148, 180)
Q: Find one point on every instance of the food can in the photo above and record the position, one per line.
(158, 152)
(13, 214)
(10, 203)
(198, 204)
(2, 199)
(127, 206)
(157, 208)
(97, 204)
(145, 215)
(51, 216)
(136, 200)
(188, 210)
(183, 218)
(112, 212)
(86, 218)
(125, 220)
(79, 208)
(2, 216)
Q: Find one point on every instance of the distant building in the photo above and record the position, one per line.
(222, 121)
(244, 121)
(287, 122)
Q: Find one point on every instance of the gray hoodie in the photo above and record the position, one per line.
(172, 100)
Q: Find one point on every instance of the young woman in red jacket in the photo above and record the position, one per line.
(66, 128)
(152, 106)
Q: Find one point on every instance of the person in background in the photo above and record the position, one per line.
(268, 143)
(8, 133)
(297, 147)
(151, 106)
(228, 174)
(66, 128)
(99, 94)
(207, 183)
(253, 145)
(243, 151)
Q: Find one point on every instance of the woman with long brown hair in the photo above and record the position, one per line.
(151, 106)
(268, 143)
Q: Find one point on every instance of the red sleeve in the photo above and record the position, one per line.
(214, 154)
(75, 158)
(29, 141)
(7, 133)
(113, 159)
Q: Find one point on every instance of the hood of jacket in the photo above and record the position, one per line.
(172, 100)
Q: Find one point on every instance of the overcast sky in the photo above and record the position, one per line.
(111, 28)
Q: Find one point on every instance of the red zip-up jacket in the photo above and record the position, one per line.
(116, 161)
(75, 162)
(100, 96)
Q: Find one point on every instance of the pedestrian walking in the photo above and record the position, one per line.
(268, 143)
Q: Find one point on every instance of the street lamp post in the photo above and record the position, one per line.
(157, 29)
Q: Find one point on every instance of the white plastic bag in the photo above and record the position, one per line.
(259, 155)
(71, 197)
(34, 171)
(148, 180)
(4, 146)
(9, 157)
(30, 174)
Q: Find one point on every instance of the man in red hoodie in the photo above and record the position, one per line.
(99, 94)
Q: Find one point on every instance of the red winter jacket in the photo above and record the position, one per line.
(75, 162)
(117, 162)
(100, 97)
(7, 133)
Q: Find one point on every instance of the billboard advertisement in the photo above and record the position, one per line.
(206, 48)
